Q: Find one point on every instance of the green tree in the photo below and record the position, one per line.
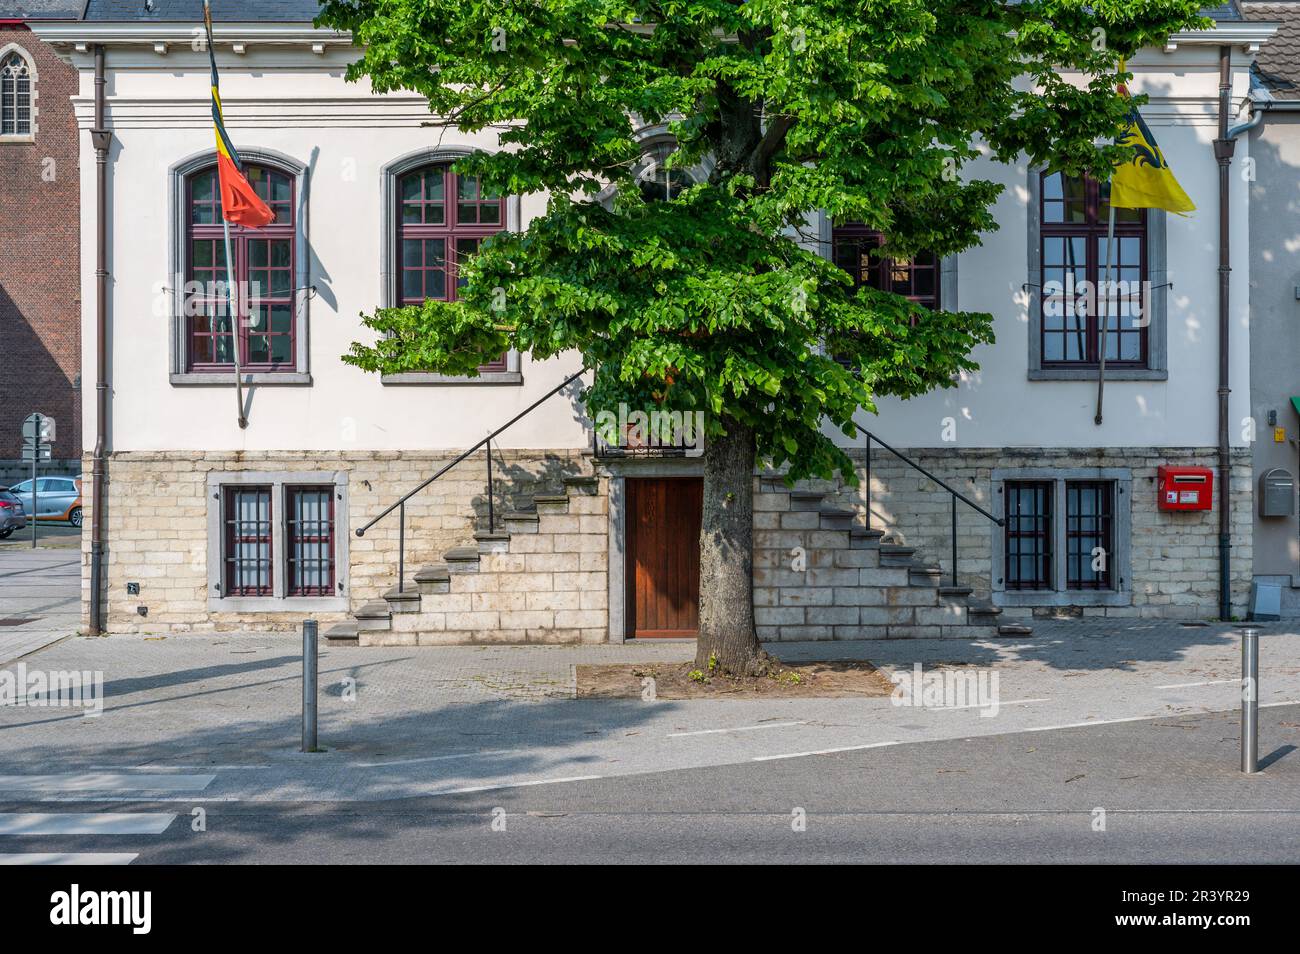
(717, 298)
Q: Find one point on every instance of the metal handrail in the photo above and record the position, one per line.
(400, 504)
(955, 494)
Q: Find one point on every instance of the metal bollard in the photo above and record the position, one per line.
(1250, 701)
(309, 661)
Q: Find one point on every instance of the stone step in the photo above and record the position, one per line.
(806, 500)
(984, 613)
(495, 542)
(891, 554)
(835, 519)
(860, 538)
(521, 521)
(374, 616)
(956, 591)
(586, 486)
(434, 579)
(342, 634)
(462, 560)
(551, 503)
(920, 575)
(1015, 629)
(403, 601)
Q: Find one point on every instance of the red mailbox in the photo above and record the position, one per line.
(1186, 488)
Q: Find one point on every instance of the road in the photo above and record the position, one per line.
(1168, 786)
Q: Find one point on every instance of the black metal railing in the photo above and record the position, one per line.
(955, 494)
(400, 505)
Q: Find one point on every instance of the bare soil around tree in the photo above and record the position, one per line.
(824, 680)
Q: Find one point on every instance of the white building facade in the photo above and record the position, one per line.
(210, 526)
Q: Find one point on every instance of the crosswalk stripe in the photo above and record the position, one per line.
(77, 823)
(117, 782)
(70, 858)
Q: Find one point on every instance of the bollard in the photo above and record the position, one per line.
(1250, 701)
(309, 685)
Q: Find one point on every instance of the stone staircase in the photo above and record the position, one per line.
(847, 582)
(542, 579)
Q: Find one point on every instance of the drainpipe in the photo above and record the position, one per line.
(101, 138)
(1224, 146)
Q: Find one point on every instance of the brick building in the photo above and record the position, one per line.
(40, 266)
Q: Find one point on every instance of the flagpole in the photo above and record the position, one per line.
(231, 297)
(1105, 317)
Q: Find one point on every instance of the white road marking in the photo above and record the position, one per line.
(842, 748)
(489, 788)
(985, 705)
(1080, 725)
(743, 728)
(150, 799)
(69, 858)
(72, 823)
(1193, 685)
(440, 758)
(104, 782)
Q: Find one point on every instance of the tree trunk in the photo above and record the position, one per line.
(727, 634)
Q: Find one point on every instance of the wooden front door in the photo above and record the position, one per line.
(663, 556)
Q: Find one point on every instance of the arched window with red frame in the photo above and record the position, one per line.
(264, 270)
(442, 219)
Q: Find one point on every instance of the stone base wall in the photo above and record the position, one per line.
(157, 524)
(1174, 556)
(157, 532)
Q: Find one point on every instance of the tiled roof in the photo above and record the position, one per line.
(1277, 65)
(41, 9)
(191, 11)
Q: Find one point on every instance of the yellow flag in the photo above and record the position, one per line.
(1145, 181)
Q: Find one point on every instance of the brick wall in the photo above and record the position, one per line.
(40, 267)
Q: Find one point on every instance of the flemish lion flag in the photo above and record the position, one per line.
(1145, 181)
(239, 203)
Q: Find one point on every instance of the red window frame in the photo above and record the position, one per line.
(315, 541)
(916, 279)
(455, 221)
(267, 256)
(238, 533)
(1073, 223)
(1027, 535)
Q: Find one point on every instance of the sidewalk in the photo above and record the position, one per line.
(40, 598)
(218, 716)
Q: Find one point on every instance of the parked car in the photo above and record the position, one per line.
(57, 498)
(13, 515)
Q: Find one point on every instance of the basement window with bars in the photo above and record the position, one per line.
(278, 540)
(1029, 535)
(1064, 538)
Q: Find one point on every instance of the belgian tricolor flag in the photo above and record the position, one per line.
(239, 203)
